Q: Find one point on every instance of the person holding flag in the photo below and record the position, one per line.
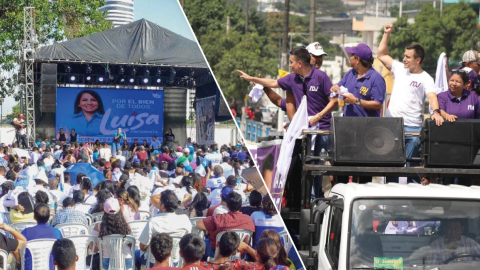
(314, 85)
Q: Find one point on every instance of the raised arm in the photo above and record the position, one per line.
(271, 83)
(382, 52)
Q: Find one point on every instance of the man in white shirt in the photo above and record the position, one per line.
(412, 84)
(105, 152)
(3, 170)
(120, 157)
(217, 180)
(20, 131)
(214, 196)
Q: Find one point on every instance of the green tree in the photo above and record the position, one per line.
(56, 20)
(450, 33)
(15, 112)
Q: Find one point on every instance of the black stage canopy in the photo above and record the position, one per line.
(138, 43)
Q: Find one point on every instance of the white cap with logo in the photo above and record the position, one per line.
(316, 49)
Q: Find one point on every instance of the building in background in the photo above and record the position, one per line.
(120, 12)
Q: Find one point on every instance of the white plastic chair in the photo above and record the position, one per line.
(82, 243)
(4, 256)
(115, 244)
(287, 243)
(195, 229)
(23, 225)
(144, 215)
(137, 227)
(174, 261)
(97, 216)
(40, 250)
(70, 229)
(89, 219)
(91, 226)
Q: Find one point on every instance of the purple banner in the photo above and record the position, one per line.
(267, 155)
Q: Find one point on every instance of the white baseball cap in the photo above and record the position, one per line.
(316, 49)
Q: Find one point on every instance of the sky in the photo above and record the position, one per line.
(165, 13)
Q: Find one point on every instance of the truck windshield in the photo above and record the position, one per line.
(414, 234)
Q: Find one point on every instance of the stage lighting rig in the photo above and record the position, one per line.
(68, 68)
(134, 71)
(88, 69)
(121, 70)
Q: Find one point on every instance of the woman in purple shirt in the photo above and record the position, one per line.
(458, 102)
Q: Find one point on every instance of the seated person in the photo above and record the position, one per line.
(192, 249)
(267, 218)
(453, 243)
(234, 219)
(12, 245)
(79, 197)
(64, 254)
(222, 208)
(228, 245)
(43, 230)
(255, 200)
(161, 248)
(167, 221)
(69, 215)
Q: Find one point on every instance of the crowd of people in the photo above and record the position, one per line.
(363, 91)
(194, 193)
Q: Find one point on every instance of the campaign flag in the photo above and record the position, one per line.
(96, 114)
(206, 120)
(299, 122)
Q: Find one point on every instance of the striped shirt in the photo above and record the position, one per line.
(69, 215)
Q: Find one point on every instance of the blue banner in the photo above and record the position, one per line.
(98, 113)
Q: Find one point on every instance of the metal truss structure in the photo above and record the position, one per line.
(29, 38)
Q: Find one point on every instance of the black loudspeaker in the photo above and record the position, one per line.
(451, 145)
(48, 86)
(367, 141)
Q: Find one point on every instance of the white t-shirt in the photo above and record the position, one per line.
(22, 130)
(222, 209)
(105, 153)
(408, 94)
(216, 182)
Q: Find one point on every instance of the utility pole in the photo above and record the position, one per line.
(285, 36)
(246, 16)
(312, 21)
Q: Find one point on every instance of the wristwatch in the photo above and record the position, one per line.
(436, 111)
(358, 102)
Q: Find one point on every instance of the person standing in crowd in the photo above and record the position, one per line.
(169, 137)
(258, 115)
(105, 152)
(366, 89)
(117, 136)
(316, 53)
(412, 84)
(73, 136)
(458, 102)
(155, 145)
(20, 131)
(471, 65)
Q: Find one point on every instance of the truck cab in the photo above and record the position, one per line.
(393, 226)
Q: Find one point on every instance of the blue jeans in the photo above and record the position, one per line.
(106, 261)
(321, 142)
(412, 149)
(115, 147)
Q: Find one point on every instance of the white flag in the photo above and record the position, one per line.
(299, 123)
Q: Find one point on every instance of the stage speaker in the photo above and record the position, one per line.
(451, 145)
(367, 141)
(48, 88)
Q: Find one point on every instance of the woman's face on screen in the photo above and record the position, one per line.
(88, 103)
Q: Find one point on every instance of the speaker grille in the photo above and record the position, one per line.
(367, 141)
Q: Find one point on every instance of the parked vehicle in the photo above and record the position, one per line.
(393, 226)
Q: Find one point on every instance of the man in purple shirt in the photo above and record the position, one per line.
(365, 85)
(305, 80)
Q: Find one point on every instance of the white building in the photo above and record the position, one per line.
(120, 12)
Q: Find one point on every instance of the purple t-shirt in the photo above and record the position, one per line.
(466, 107)
(370, 87)
(317, 86)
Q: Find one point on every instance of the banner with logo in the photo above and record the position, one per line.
(206, 120)
(96, 114)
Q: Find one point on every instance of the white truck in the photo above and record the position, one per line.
(393, 226)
